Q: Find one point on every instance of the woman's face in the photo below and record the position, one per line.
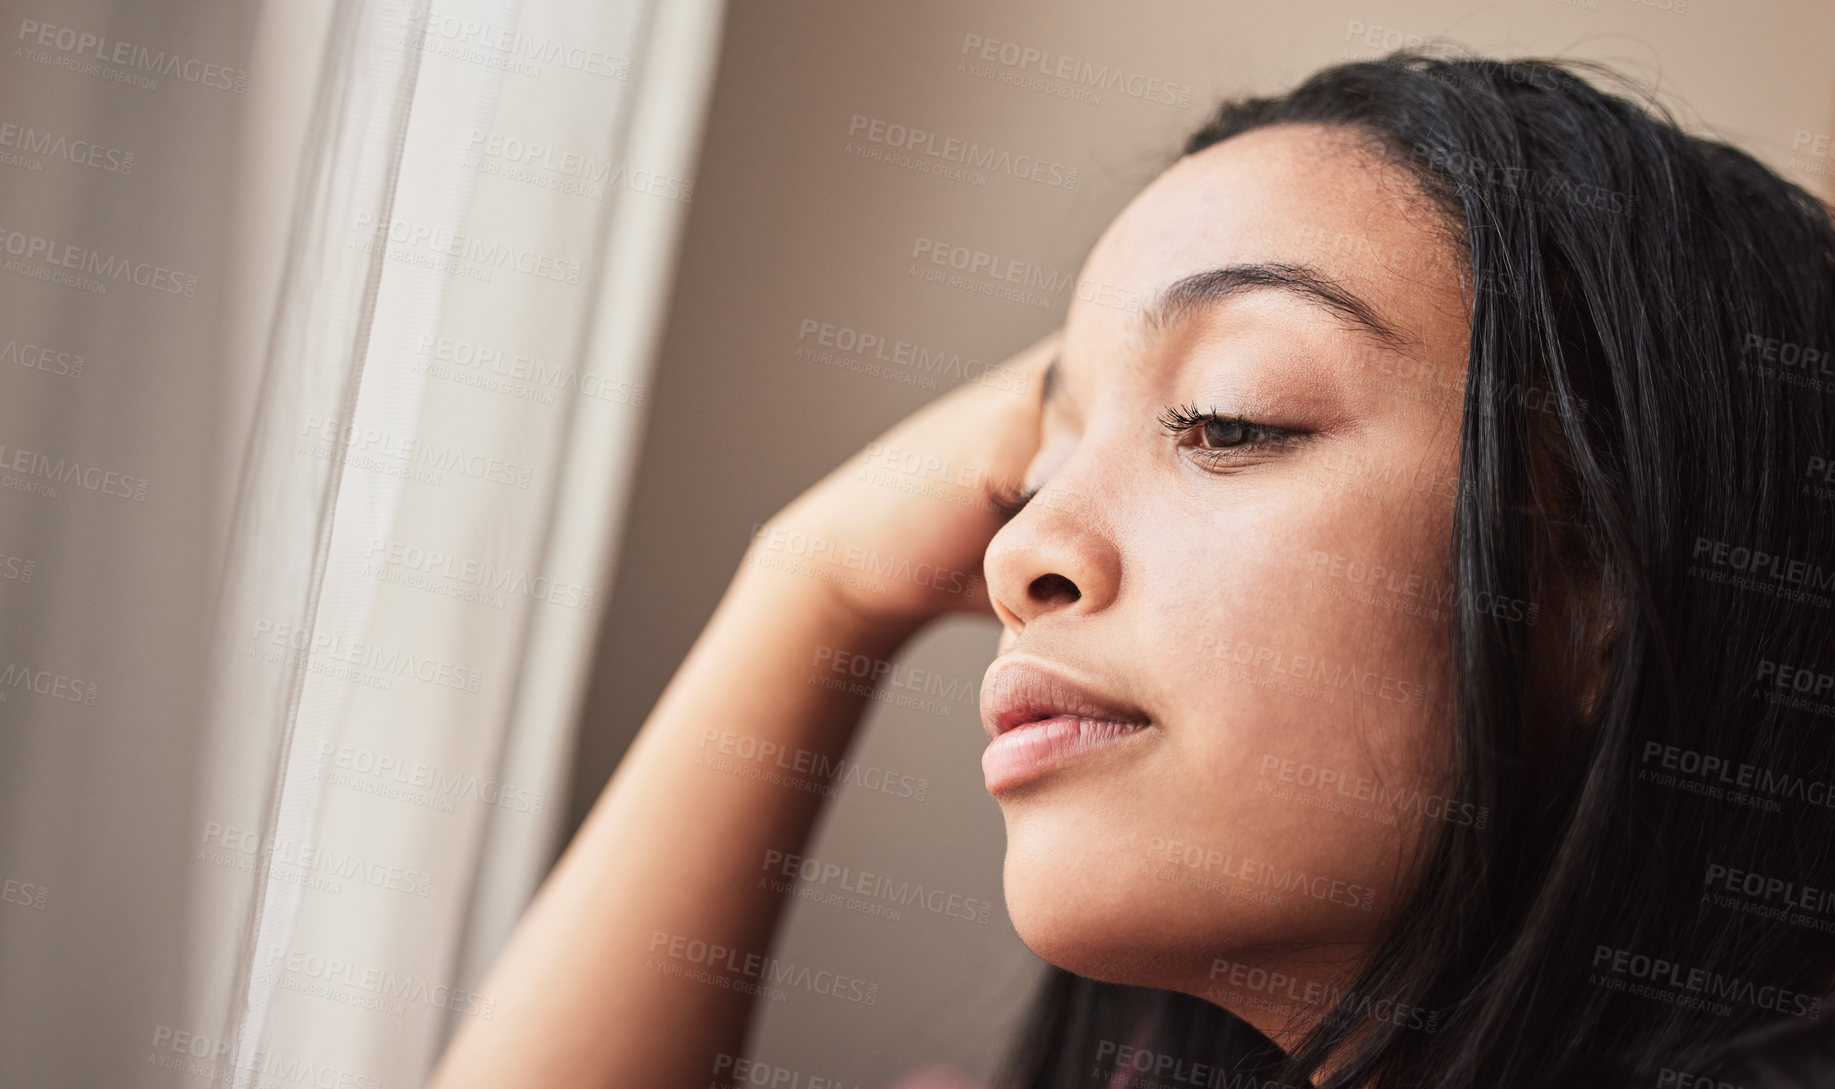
(1270, 598)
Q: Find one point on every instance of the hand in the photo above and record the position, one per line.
(895, 535)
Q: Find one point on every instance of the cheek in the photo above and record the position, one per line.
(1290, 635)
(1319, 635)
(1289, 671)
(1301, 714)
(1309, 605)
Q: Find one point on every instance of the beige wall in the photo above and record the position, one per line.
(788, 226)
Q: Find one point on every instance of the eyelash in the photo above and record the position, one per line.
(1008, 498)
(1265, 438)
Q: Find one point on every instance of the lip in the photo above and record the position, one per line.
(1040, 717)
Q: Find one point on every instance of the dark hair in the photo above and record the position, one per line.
(1647, 391)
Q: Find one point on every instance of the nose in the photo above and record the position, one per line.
(1056, 556)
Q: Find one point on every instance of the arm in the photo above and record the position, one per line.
(673, 847)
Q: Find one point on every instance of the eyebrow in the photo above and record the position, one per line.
(1199, 290)
(1192, 293)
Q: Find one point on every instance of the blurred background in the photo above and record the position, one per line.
(388, 391)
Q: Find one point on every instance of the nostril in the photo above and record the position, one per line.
(1047, 589)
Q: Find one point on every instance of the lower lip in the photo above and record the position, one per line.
(1026, 752)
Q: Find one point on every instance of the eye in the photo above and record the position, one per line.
(1008, 498)
(1221, 439)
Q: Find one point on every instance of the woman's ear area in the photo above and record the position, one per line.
(1572, 645)
(1600, 622)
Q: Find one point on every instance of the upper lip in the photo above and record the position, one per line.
(1017, 692)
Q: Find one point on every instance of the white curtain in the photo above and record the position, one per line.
(325, 341)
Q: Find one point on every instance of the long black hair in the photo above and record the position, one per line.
(1645, 454)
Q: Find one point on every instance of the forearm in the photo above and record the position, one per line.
(720, 774)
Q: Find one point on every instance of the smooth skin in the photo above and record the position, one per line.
(1219, 579)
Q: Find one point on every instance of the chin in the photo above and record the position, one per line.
(1082, 901)
(1084, 894)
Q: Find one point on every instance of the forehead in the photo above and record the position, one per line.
(1308, 195)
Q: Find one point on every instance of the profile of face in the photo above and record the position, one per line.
(1226, 610)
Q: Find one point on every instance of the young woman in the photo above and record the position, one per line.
(1417, 652)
